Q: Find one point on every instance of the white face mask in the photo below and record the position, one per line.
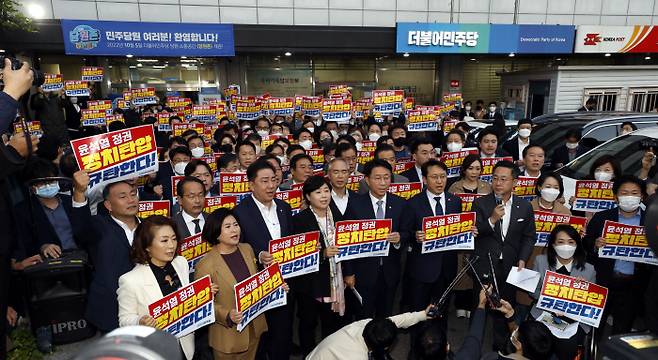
(467, 108)
(179, 168)
(564, 251)
(571, 145)
(602, 175)
(454, 146)
(262, 133)
(524, 133)
(282, 159)
(549, 194)
(359, 146)
(311, 129)
(197, 152)
(629, 203)
(318, 122)
(334, 133)
(492, 108)
(374, 137)
(306, 144)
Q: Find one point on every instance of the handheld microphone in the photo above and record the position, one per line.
(499, 199)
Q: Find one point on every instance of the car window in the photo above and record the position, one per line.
(551, 135)
(603, 133)
(626, 147)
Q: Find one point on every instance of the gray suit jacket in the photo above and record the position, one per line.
(182, 227)
(541, 265)
(397, 178)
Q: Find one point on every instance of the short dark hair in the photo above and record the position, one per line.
(193, 137)
(489, 130)
(626, 179)
(493, 102)
(313, 183)
(432, 343)
(294, 147)
(629, 123)
(299, 157)
(343, 147)
(178, 140)
(375, 163)
(108, 188)
(579, 256)
(226, 159)
(188, 179)
(573, 133)
(369, 124)
(245, 143)
(536, 340)
(527, 148)
(37, 168)
(257, 166)
(508, 165)
(213, 226)
(270, 148)
(542, 179)
(271, 157)
(300, 131)
(602, 160)
(468, 160)
(381, 148)
(179, 150)
(432, 162)
(379, 334)
(189, 132)
(145, 234)
(192, 165)
(349, 138)
(397, 126)
(524, 121)
(418, 142)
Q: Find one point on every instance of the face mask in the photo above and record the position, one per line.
(564, 251)
(467, 108)
(334, 133)
(571, 145)
(282, 159)
(525, 133)
(343, 132)
(629, 203)
(179, 168)
(359, 146)
(262, 133)
(318, 122)
(306, 144)
(197, 152)
(400, 142)
(311, 129)
(326, 141)
(549, 194)
(454, 146)
(602, 176)
(373, 137)
(492, 108)
(48, 191)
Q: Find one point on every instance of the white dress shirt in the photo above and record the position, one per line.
(374, 200)
(340, 201)
(522, 145)
(442, 200)
(525, 173)
(130, 234)
(485, 156)
(506, 218)
(190, 223)
(419, 171)
(270, 217)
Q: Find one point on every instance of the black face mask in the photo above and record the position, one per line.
(226, 148)
(400, 142)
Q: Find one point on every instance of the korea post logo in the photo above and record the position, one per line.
(84, 37)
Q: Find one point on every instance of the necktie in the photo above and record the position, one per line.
(380, 210)
(438, 209)
(197, 227)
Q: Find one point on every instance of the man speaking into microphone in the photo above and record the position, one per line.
(506, 233)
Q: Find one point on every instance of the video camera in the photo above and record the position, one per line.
(37, 76)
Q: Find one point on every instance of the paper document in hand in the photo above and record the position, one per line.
(524, 279)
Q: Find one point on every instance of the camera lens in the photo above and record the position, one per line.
(37, 76)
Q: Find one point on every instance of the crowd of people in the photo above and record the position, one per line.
(135, 261)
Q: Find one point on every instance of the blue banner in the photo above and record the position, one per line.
(87, 37)
(484, 38)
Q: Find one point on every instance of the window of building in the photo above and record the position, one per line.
(606, 99)
(643, 99)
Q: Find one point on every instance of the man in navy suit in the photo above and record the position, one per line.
(263, 218)
(377, 278)
(338, 172)
(110, 237)
(422, 151)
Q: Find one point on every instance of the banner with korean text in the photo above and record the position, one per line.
(338, 110)
(217, 202)
(294, 198)
(234, 184)
(143, 96)
(247, 109)
(280, 106)
(626, 242)
(593, 196)
(422, 120)
(297, 254)
(187, 309)
(92, 73)
(467, 200)
(155, 207)
(52, 82)
(526, 187)
(362, 238)
(312, 106)
(33, 127)
(545, 222)
(406, 190)
(578, 300)
(76, 88)
(258, 293)
(448, 232)
(117, 155)
(488, 165)
(354, 182)
(387, 102)
(193, 249)
(455, 159)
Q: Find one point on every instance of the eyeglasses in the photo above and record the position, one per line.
(194, 196)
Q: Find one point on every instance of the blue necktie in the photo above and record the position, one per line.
(438, 209)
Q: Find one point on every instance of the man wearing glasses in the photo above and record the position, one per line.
(191, 197)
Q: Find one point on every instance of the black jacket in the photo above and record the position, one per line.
(254, 230)
(561, 155)
(512, 147)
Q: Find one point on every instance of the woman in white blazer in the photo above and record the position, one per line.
(157, 273)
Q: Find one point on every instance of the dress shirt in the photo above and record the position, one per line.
(522, 145)
(442, 200)
(506, 218)
(341, 201)
(270, 217)
(568, 266)
(190, 223)
(374, 201)
(623, 266)
(130, 234)
(525, 173)
(485, 156)
(419, 171)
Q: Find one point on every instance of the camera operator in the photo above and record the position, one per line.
(648, 170)
(12, 157)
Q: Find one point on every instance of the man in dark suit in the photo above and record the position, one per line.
(570, 150)
(498, 121)
(421, 151)
(387, 153)
(263, 218)
(506, 231)
(338, 172)
(178, 159)
(590, 105)
(301, 168)
(191, 197)
(110, 237)
(516, 145)
(625, 280)
(488, 144)
(377, 278)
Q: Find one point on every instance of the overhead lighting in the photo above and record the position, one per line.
(511, 55)
(473, 59)
(559, 59)
(147, 60)
(607, 55)
(139, 65)
(35, 11)
(129, 56)
(159, 66)
(2, 51)
(405, 54)
(287, 53)
(183, 57)
(132, 67)
(647, 58)
(277, 68)
(188, 60)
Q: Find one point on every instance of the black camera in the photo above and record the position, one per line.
(37, 76)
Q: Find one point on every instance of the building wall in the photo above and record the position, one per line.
(357, 12)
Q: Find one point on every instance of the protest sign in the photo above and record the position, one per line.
(280, 106)
(338, 110)
(422, 120)
(593, 196)
(258, 293)
(233, 184)
(312, 106)
(402, 166)
(354, 182)
(448, 232)
(187, 309)
(455, 159)
(578, 300)
(33, 127)
(387, 102)
(467, 200)
(193, 248)
(247, 109)
(217, 202)
(408, 103)
(143, 96)
(232, 89)
(406, 190)
(545, 222)
(92, 117)
(363, 157)
(76, 88)
(341, 90)
(52, 82)
(178, 102)
(179, 128)
(361, 108)
(294, 198)
(626, 242)
(362, 238)
(449, 124)
(526, 187)
(117, 155)
(368, 145)
(155, 207)
(92, 73)
(297, 254)
(204, 113)
(103, 105)
(488, 165)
